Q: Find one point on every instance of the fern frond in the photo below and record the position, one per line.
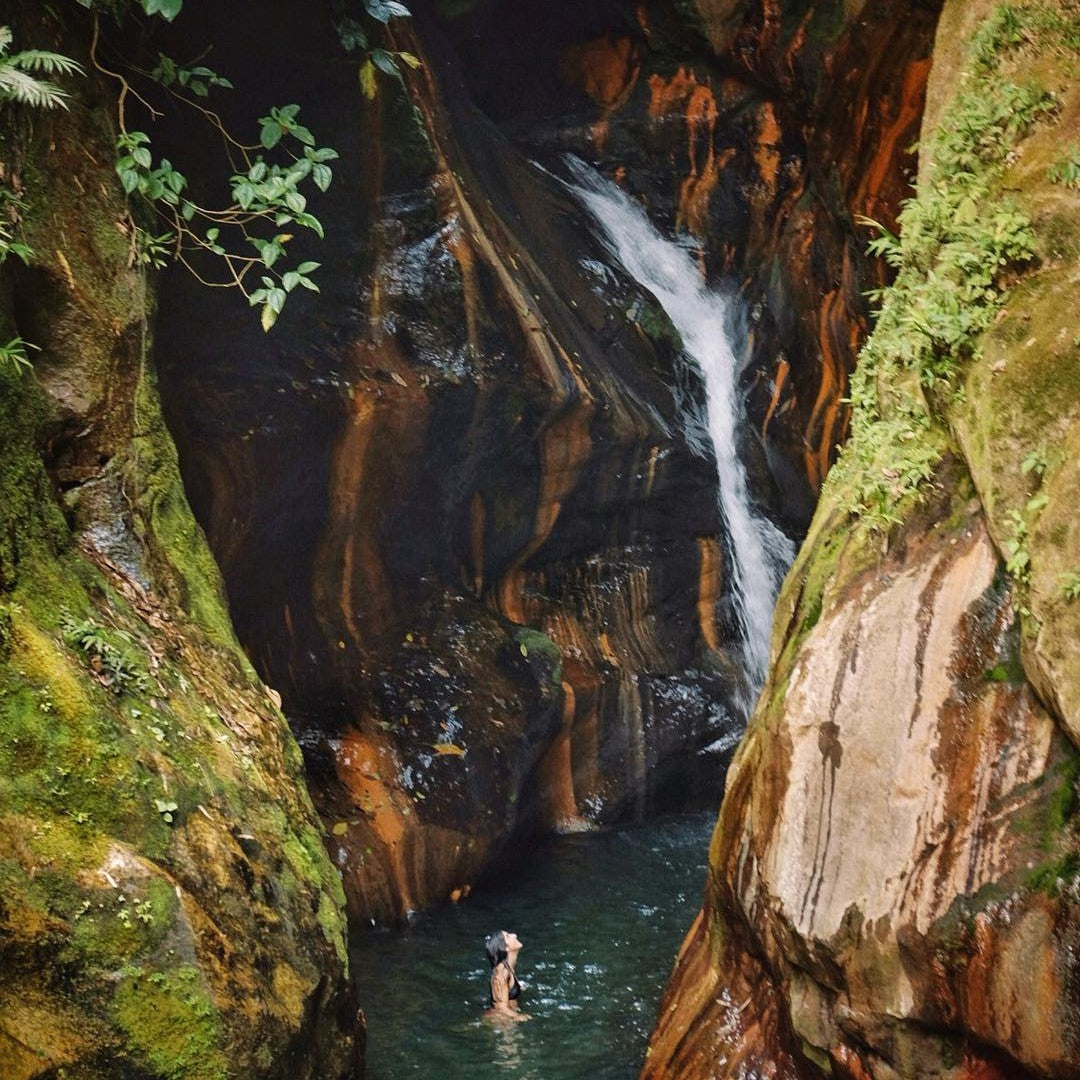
(17, 86)
(6, 38)
(50, 63)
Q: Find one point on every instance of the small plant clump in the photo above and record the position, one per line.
(1070, 585)
(1066, 171)
(112, 665)
(960, 243)
(13, 355)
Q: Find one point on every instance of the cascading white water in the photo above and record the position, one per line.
(760, 553)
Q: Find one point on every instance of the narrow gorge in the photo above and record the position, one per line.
(669, 408)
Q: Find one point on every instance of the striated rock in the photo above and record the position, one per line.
(893, 887)
(492, 439)
(492, 532)
(167, 908)
(763, 132)
(891, 821)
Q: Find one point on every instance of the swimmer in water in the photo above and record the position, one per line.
(502, 949)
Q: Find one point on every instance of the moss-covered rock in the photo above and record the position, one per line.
(167, 909)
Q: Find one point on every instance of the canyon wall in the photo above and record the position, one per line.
(167, 907)
(892, 887)
(490, 579)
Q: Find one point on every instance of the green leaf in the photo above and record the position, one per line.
(257, 172)
(130, 180)
(312, 223)
(307, 267)
(290, 280)
(268, 317)
(142, 156)
(270, 134)
(295, 202)
(244, 194)
(269, 252)
(408, 58)
(167, 9)
(385, 10)
(384, 61)
(322, 175)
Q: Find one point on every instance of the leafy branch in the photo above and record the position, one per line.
(247, 238)
(266, 201)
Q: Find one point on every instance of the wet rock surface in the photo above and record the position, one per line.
(492, 532)
(496, 430)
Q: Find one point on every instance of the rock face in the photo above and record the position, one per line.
(167, 908)
(893, 885)
(499, 608)
(494, 530)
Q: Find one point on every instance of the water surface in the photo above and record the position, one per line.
(601, 916)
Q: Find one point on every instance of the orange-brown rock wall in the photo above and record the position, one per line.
(487, 578)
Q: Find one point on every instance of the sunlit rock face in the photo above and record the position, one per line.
(870, 892)
(893, 886)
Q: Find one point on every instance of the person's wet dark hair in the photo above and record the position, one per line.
(496, 947)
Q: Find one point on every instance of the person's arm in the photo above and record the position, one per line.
(501, 981)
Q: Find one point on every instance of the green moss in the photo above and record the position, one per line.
(828, 21)
(333, 926)
(173, 1028)
(542, 654)
(28, 512)
(656, 325)
(310, 867)
(1049, 877)
(1063, 801)
(168, 526)
(1011, 671)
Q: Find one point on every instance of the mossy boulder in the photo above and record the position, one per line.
(167, 909)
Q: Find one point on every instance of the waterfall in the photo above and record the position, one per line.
(759, 552)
